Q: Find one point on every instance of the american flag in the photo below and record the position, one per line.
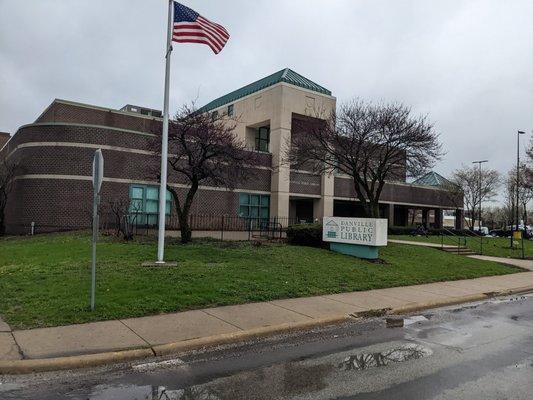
(191, 27)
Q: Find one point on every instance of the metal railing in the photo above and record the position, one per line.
(451, 237)
(221, 225)
(460, 239)
(215, 226)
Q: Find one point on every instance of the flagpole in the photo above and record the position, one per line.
(164, 145)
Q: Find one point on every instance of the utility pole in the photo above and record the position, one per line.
(480, 190)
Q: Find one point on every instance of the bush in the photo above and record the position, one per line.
(305, 235)
(401, 230)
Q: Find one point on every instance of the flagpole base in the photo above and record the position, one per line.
(160, 264)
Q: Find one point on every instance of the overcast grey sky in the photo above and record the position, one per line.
(467, 64)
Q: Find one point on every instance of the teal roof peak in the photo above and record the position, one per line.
(285, 75)
(432, 179)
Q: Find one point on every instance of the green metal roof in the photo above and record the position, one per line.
(432, 179)
(285, 75)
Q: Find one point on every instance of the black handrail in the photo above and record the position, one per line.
(475, 235)
(450, 235)
(465, 234)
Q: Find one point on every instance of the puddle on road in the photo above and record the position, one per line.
(414, 319)
(277, 381)
(6, 387)
(134, 392)
(364, 361)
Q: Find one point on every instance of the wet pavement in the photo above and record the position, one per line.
(476, 351)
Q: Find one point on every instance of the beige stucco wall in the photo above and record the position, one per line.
(275, 107)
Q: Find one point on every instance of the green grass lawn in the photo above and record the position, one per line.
(45, 280)
(497, 247)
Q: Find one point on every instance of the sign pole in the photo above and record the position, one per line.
(98, 174)
(164, 145)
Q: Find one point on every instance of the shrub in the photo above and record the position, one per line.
(401, 230)
(305, 235)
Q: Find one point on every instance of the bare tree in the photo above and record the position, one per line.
(7, 173)
(525, 190)
(203, 148)
(124, 214)
(528, 181)
(476, 186)
(496, 217)
(370, 143)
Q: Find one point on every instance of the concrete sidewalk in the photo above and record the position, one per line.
(422, 244)
(148, 332)
(516, 262)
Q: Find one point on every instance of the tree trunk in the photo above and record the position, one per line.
(374, 209)
(2, 221)
(186, 232)
(183, 212)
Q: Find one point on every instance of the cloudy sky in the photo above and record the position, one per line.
(467, 64)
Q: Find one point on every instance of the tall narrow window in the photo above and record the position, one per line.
(144, 204)
(262, 139)
(254, 205)
(152, 204)
(230, 110)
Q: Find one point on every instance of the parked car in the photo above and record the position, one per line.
(484, 230)
(500, 233)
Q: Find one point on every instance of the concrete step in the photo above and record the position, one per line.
(464, 251)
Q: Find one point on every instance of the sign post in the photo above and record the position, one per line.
(98, 175)
(359, 237)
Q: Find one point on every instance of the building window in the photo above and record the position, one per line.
(254, 205)
(262, 139)
(230, 110)
(144, 204)
(214, 115)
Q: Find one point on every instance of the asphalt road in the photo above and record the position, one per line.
(476, 351)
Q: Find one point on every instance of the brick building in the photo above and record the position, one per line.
(53, 184)
(4, 137)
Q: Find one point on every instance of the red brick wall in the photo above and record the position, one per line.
(304, 183)
(65, 203)
(4, 137)
(63, 112)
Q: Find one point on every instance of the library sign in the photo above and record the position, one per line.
(359, 237)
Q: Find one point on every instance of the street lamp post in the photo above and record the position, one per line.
(480, 190)
(518, 174)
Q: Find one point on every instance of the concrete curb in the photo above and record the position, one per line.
(440, 303)
(518, 290)
(195, 344)
(93, 360)
(82, 361)
(459, 300)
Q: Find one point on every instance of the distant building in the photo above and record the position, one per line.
(4, 137)
(150, 112)
(53, 188)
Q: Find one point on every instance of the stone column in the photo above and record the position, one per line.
(425, 218)
(323, 207)
(459, 219)
(439, 218)
(280, 136)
